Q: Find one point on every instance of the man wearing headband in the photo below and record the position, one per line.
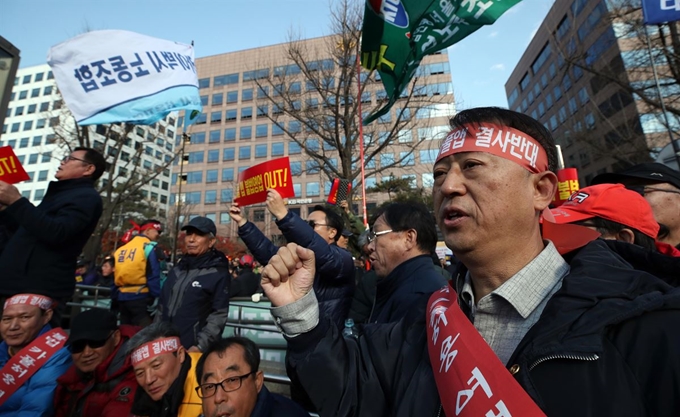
(519, 330)
(165, 371)
(45, 240)
(32, 356)
(100, 383)
(138, 274)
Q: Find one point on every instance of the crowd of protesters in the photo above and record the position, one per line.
(574, 308)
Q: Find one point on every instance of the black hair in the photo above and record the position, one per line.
(109, 260)
(154, 331)
(606, 227)
(411, 215)
(95, 158)
(251, 353)
(512, 119)
(333, 219)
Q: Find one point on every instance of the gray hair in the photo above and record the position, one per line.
(152, 332)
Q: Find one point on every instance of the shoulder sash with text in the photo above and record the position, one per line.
(478, 385)
(24, 364)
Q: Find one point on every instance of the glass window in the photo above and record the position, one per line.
(262, 92)
(261, 131)
(215, 136)
(312, 189)
(428, 156)
(28, 125)
(196, 157)
(232, 97)
(226, 195)
(276, 130)
(217, 99)
(262, 110)
(243, 153)
(213, 155)
(193, 197)
(261, 150)
(297, 189)
(296, 168)
(294, 126)
(246, 113)
(312, 166)
(386, 159)
(23, 143)
(247, 94)
(407, 158)
(225, 79)
(228, 154)
(204, 83)
(210, 197)
(246, 132)
(225, 218)
(33, 158)
(216, 117)
(231, 115)
(293, 148)
(227, 174)
(204, 100)
(277, 148)
(39, 195)
(557, 91)
(211, 175)
(230, 134)
(195, 177)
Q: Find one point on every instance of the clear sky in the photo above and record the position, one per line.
(480, 64)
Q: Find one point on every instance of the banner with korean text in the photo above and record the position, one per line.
(253, 182)
(567, 184)
(660, 11)
(397, 34)
(470, 378)
(11, 170)
(109, 76)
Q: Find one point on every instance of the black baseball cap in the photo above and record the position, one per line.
(203, 225)
(92, 324)
(651, 171)
(346, 233)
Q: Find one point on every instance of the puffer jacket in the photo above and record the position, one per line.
(108, 392)
(606, 344)
(195, 298)
(35, 397)
(334, 281)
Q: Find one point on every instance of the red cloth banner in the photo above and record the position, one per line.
(154, 348)
(471, 380)
(21, 367)
(339, 191)
(11, 170)
(567, 184)
(253, 182)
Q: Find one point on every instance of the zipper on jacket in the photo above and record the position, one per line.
(439, 411)
(592, 357)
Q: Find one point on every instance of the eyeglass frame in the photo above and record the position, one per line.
(69, 158)
(373, 235)
(641, 189)
(199, 389)
(313, 224)
(103, 342)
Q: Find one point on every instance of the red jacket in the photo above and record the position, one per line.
(108, 394)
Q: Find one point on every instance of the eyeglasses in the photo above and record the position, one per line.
(642, 190)
(68, 158)
(228, 385)
(314, 224)
(373, 235)
(79, 345)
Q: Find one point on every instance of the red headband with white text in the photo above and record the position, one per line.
(37, 300)
(501, 141)
(154, 348)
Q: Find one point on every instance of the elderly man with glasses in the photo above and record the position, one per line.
(100, 382)
(42, 242)
(232, 384)
(660, 185)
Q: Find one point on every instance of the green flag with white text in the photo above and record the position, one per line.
(397, 34)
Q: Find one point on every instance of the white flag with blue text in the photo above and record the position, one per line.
(109, 76)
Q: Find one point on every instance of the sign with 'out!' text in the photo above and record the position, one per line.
(109, 76)
(11, 170)
(254, 182)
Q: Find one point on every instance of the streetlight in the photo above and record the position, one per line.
(183, 158)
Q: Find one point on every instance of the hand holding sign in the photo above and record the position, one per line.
(8, 194)
(254, 182)
(235, 214)
(276, 205)
(289, 275)
(11, 170)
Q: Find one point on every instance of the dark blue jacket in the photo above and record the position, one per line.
(40, 257)
(275, 405)
(334, 281)
(195, 298)
(396, 293)
(35, 397)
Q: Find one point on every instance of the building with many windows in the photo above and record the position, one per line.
(38, 125)
(254, 101)
(575, 77)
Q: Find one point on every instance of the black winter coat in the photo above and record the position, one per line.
(40, 256)
(195, 298)
(334, 282)
(245, 284)
(607, 344)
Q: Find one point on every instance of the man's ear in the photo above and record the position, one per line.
(545, 185)
(626, 235)
(47, 316)
(89, 171)
(332, 232)
(259, 380)
(181, 353)
(411, 238)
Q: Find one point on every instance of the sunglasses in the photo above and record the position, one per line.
(79, 345)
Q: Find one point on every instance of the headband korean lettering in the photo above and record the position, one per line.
(148, 226)
(501, 141)
(37, 300)
(154, 348)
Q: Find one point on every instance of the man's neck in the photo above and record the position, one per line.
(492, 268)
(13, 350)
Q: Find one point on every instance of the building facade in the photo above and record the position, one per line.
(40, 130)
(573, 77)
(251, 99)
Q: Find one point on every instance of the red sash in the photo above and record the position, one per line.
(478, 385)
(24, 364)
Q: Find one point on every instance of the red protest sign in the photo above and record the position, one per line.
(567, 184)
(11, 170)
(253, 182)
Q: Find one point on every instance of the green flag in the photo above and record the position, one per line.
(397, 34)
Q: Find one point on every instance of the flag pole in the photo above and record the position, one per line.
(676, 147)
(361, 136)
